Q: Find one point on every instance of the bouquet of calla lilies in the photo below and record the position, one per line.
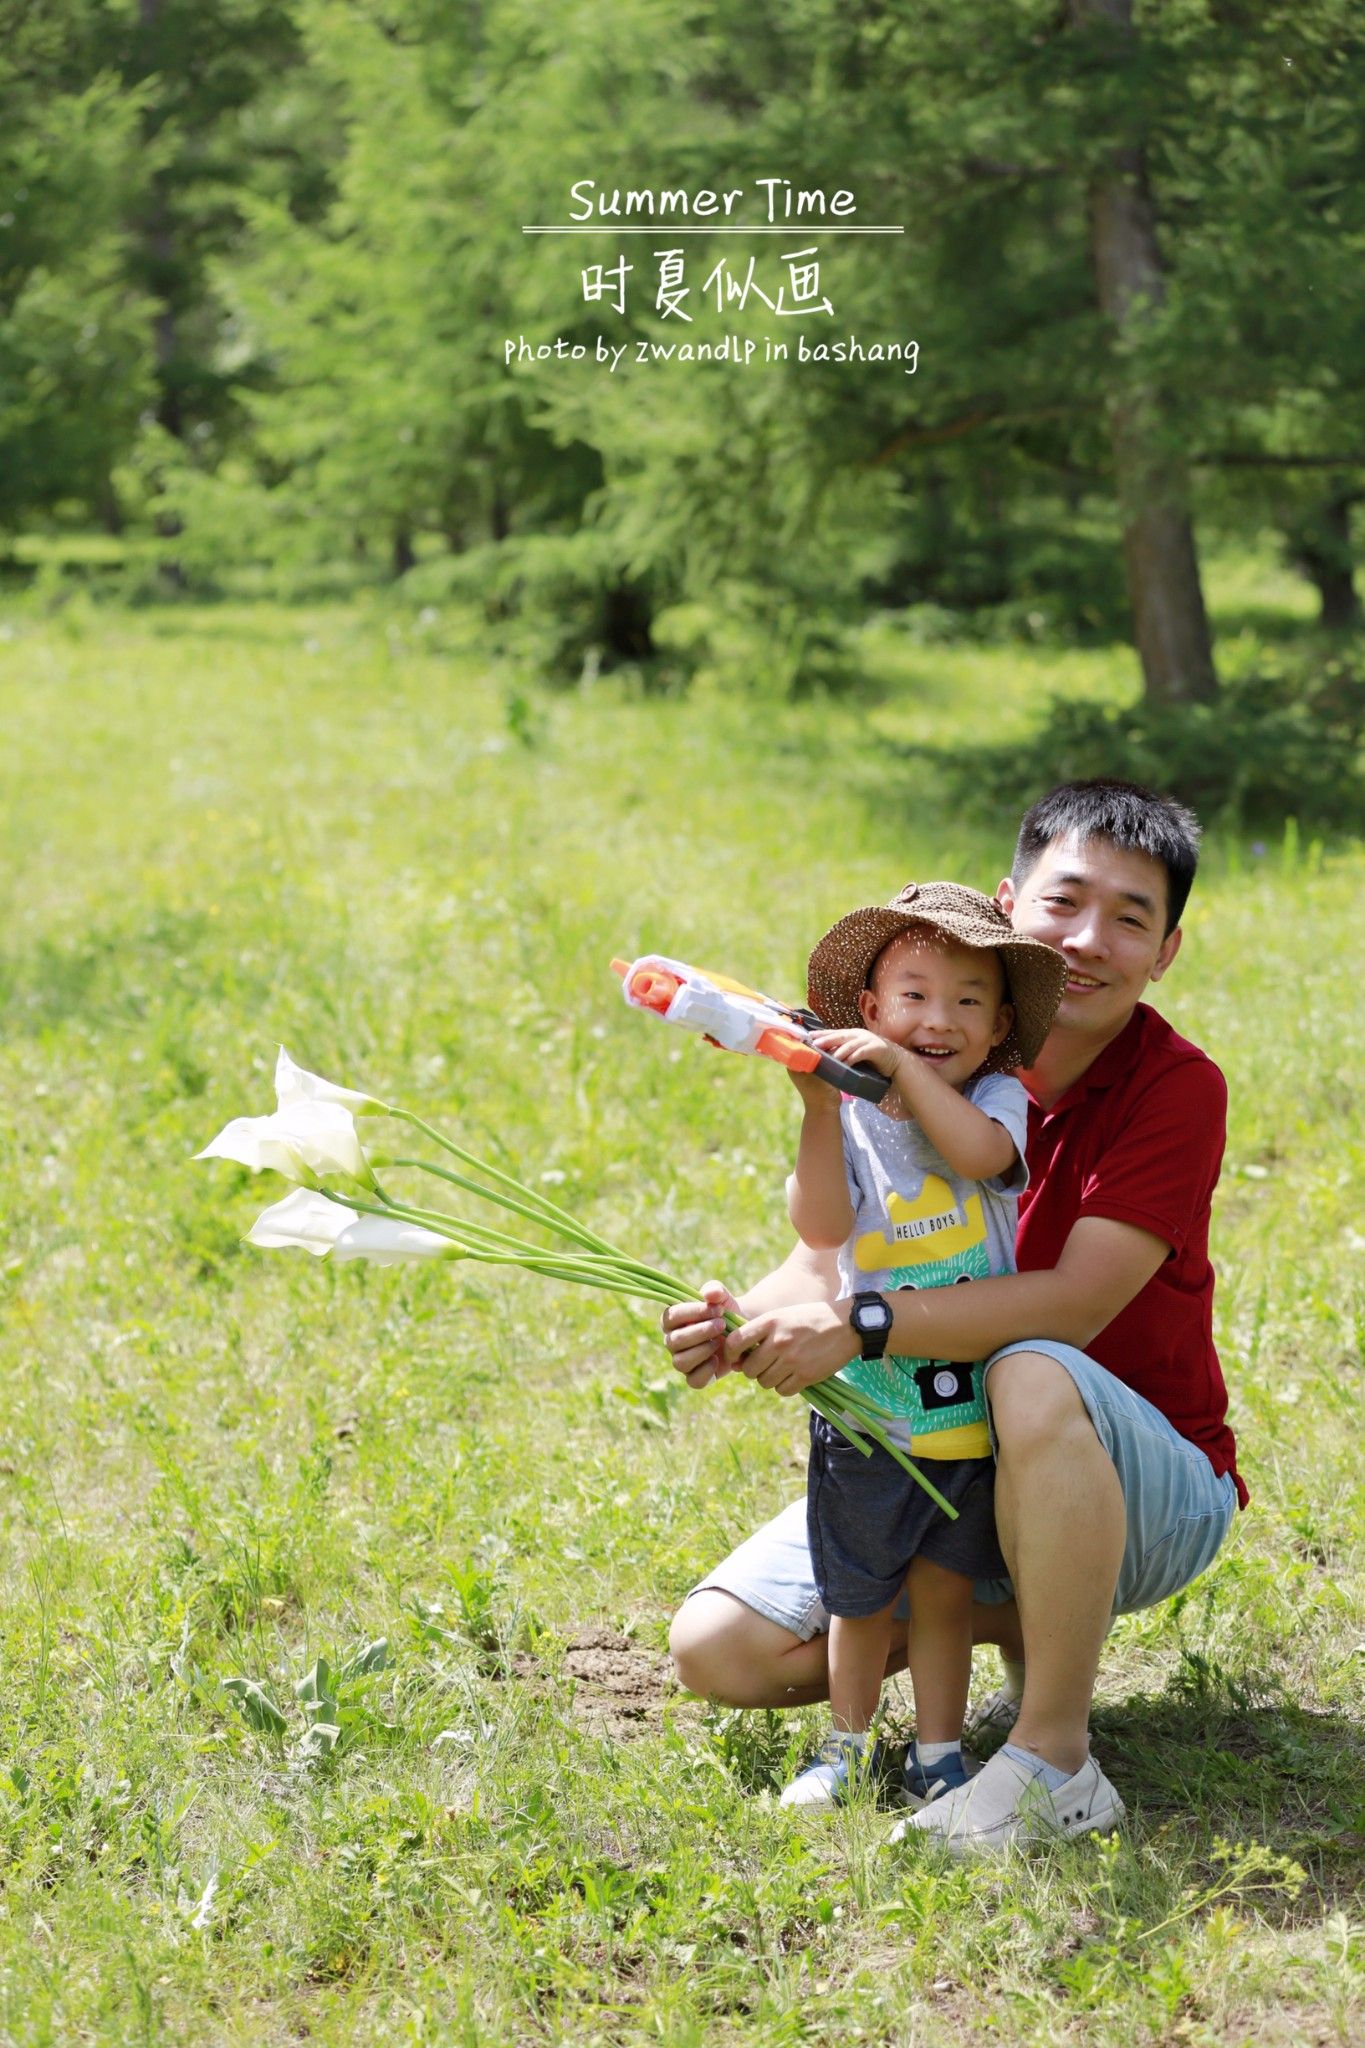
(340, 1210)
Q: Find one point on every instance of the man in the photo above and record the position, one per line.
(1116, 1478)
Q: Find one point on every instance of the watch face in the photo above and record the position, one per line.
(872, 1315)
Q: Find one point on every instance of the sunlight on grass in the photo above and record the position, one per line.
(229, 826)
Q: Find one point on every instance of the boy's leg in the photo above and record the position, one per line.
(755, 1634)
(724, 1649)
(858, 1646)
(940, 1649)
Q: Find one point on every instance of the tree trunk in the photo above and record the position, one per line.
(404, 554)
(1320, 545)
(109, 509)
(1170, 625)
(626, 623)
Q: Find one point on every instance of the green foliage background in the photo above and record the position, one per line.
(259, 260)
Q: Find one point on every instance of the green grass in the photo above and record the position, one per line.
(230, 826)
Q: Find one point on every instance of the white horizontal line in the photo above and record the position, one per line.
(720, 227)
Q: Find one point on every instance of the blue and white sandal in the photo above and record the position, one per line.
(842, 1768)
(924, 1782)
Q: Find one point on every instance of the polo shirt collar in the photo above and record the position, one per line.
(1107, 1067)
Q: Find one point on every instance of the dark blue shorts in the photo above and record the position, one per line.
(867, 1519)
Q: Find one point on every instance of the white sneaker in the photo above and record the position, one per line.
(1007, 1804)
(996, 1715)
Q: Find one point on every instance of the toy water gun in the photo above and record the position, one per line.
(739, 1019)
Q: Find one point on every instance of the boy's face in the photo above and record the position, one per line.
(942, 1001)
(1104, 908)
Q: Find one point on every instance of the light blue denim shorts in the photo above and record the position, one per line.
(1179, 1511)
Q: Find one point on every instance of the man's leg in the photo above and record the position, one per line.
(726, 1651)
(1062, 1526)
(997, 1622)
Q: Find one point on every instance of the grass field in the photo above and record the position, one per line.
(237, 825)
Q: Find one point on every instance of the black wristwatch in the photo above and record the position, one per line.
(870, 1322)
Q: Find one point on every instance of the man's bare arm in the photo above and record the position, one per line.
(804, 1275)
(1103, 1265)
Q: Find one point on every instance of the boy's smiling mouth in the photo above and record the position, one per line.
(932, 1052)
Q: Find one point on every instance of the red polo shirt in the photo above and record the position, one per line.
(1139, 1137)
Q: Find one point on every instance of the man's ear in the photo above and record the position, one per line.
(1167, 951)
(1004, 1023)
(1004, 895)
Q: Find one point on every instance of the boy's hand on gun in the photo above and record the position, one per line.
(861, 1049)
(854, 1049)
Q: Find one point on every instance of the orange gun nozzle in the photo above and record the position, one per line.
(654, 988)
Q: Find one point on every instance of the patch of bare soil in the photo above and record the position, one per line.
(619, 1688)
(1289, 2027)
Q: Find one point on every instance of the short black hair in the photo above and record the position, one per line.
(1128, 816)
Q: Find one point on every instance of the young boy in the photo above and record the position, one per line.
(940, 994)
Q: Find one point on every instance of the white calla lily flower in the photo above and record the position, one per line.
(305, 1220)
(295, 1084)
(313, 1222)
(304, 1140)
(386, 1240)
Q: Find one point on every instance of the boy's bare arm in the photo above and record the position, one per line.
(817, 1193)
(972, 1143)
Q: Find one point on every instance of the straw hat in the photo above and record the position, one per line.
(1035, 974)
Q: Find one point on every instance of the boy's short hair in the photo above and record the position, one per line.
(1130, 817)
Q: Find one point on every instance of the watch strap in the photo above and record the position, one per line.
(872, 1341)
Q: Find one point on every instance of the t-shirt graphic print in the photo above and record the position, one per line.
(917, 1224)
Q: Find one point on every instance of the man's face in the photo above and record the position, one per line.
(1105, 909)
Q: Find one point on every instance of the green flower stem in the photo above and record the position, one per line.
(551, 1265)
(855, 1413)
(618, 1267)
(841, 1423)
(496, 1240)
(551, 1213)
(570, 1230)
(595, 1247)
(586, 1242)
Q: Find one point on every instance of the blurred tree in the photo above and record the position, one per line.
(1266, 194)
(1318, 541)
(75, 365)
(388, 413)
(1115, 214)
(197, 67)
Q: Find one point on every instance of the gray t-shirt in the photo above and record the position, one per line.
(916, 1224)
